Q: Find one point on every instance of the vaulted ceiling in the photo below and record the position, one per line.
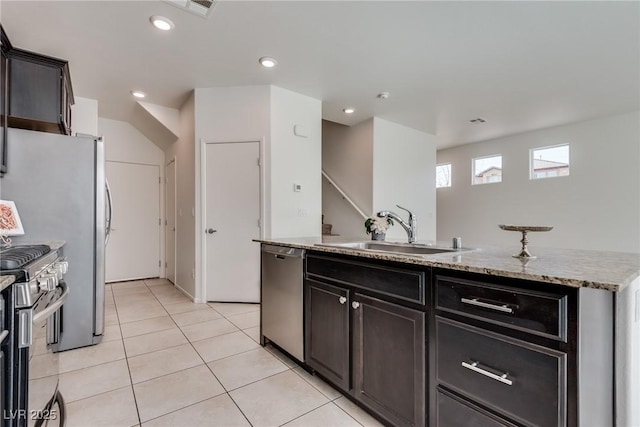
(518, 65)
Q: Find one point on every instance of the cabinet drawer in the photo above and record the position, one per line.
(400, 283)
(454, 412)
(539, 313)
(523, 381)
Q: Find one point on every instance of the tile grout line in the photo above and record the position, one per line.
(226, 391)
(208, 367)
(124, 349)
(330, 402)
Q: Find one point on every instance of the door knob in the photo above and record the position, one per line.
(211, 230)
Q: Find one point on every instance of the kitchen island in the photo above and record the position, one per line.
(476, 335)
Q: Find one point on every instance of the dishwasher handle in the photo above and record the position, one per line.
(282, 252)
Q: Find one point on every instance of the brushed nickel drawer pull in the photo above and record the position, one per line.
(474, 367)
(475, 301)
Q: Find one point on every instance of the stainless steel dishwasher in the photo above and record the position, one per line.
(282, 302)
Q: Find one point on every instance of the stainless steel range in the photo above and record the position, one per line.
(34, 314)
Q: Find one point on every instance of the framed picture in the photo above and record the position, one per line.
(10, 224)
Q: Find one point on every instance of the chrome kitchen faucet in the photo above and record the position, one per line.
(410, 227)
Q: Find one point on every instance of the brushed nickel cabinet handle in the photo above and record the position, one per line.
(355, 305)
(474, 366)
(342, 300)
(475, 301)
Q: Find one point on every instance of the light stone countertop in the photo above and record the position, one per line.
(611, 271)
(6, 281)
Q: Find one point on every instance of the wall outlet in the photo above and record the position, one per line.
(297, 187)
(302, 212)
(193, 273)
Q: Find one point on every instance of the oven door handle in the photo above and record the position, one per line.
(44, 314)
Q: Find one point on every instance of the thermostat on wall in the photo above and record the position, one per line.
(302, 131)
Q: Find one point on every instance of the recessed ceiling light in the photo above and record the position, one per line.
(383, 95)
(348, 110)
(138, 94)
(478, 120)
(267, 62)
(161, 23)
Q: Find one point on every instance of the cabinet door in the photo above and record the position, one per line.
(327, 331)
(35, 91)
(389, 360)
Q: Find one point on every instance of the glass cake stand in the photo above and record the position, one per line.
(524, 229)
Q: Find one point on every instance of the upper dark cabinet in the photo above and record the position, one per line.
(5, 46)
(40, 93)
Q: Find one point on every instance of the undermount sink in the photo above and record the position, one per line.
(403, 248)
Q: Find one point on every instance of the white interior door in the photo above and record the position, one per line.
(170, 221)
(232, 204)
(133, 251)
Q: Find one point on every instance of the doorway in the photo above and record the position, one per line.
(231, 197)
(133, 251)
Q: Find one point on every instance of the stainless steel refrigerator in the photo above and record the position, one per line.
(59, 187)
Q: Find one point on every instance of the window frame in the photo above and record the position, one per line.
(532, 176)
(473, 169)
(450, 177)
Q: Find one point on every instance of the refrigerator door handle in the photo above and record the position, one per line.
(109, 213)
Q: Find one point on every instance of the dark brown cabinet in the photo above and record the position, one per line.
(363, 340)
(389, 359)
(502, 373)
(40, 93)
(501, 345)
(327, 332)
(455, 412)
(419, 346)
(5, 46)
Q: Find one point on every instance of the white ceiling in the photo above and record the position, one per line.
(519, 65)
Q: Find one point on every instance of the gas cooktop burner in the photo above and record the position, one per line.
(18, 256)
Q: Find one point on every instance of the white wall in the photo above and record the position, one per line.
(404, 162)
(84, 116)
(295, 160)
(266, 114)
(596, 207)
(230, 114)
(338, 212)
(347, 157)
(183, 150)
(124, 143)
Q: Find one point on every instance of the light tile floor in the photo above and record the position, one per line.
(165, 361)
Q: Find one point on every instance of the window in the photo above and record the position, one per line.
(487, 170)
(443, 175)
(549, 162)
